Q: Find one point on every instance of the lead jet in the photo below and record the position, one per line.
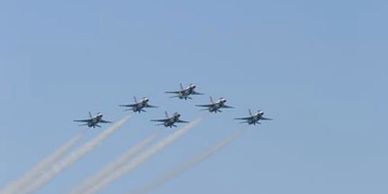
(170, 121)
(215, 106)
(253, 119)
(184, 93)
(93, 121)
(139, 106)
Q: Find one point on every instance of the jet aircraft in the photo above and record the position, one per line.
(215, 106)
(253, 119)
(93, 121)
(170, 121)
(139, 106)
(185, 93)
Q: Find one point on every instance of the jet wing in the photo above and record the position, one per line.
(103, 121)
(128, 105)
(160, 120)
(244, 118)
(197, 93)
(263, 118)
(173, 92)
(151, 106)
(205, 105)
(85, 120)
(181, 121)
(226, 106)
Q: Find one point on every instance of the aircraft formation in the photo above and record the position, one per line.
(184, 93)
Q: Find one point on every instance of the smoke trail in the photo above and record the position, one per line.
(188, 165)
(30, 176)
(140, 159)
(116, 164)
(75, 156)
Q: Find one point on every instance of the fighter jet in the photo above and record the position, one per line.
(93, 121)
(253, 119)
(139, 106)
(184, 93)
(170, 121)
(215, 106)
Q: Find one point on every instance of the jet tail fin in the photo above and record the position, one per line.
(165, 113)
(211, 100)
(90, 115)
(181, 85)
(134, 98)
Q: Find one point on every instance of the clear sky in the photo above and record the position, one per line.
(319, 68)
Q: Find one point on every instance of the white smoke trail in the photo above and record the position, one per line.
(140, 159)
(187, 165)
(116, 164)
(75, 156)
(42, 166)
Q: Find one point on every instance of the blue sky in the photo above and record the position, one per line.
(317, 67)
